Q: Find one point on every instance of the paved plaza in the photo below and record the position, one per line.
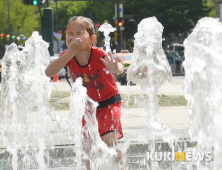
(134, 121)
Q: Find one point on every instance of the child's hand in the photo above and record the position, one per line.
(145, 69)
(142, 73)
(111, 66)
(75, 45)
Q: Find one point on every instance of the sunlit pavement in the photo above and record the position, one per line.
(174, 88)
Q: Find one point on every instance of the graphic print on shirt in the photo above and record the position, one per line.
(91, 81)
(86, 79)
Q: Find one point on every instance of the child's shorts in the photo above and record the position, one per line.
(109, 119)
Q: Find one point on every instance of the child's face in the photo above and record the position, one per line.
(77, 30)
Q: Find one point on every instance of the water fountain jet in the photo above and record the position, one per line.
(150, 69)
(202, 85)
(106, 28)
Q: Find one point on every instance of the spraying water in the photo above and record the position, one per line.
(25, 88)
(106, 28)
(86, 138)
(203, 86)
(150, 69)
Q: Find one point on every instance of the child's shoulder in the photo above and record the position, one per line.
(98, 51)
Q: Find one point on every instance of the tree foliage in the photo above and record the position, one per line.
(211, 5)
(66, 10)
(176, 16)
(96, 11)
(23, 18)
(99, 12)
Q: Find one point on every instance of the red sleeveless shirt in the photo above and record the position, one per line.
(100, 86)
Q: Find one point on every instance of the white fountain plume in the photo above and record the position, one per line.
(150, 69)
(106, 28)
(148, 52)
(86, 138)
(203, 85)
(25, 88)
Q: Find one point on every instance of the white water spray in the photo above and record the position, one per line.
(25, 88)
(106, 28)
(203, 85)
(86, 138)
(150, 69)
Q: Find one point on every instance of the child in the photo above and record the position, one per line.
(96, 68)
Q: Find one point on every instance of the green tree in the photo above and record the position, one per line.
(99, 12)
(211, 4)
(66, 10)
(96, 11)
(24, 19)
(176, 16)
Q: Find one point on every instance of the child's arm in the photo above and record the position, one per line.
(111, 65)
(61, 62)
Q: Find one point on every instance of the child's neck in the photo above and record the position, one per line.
(83, 56)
